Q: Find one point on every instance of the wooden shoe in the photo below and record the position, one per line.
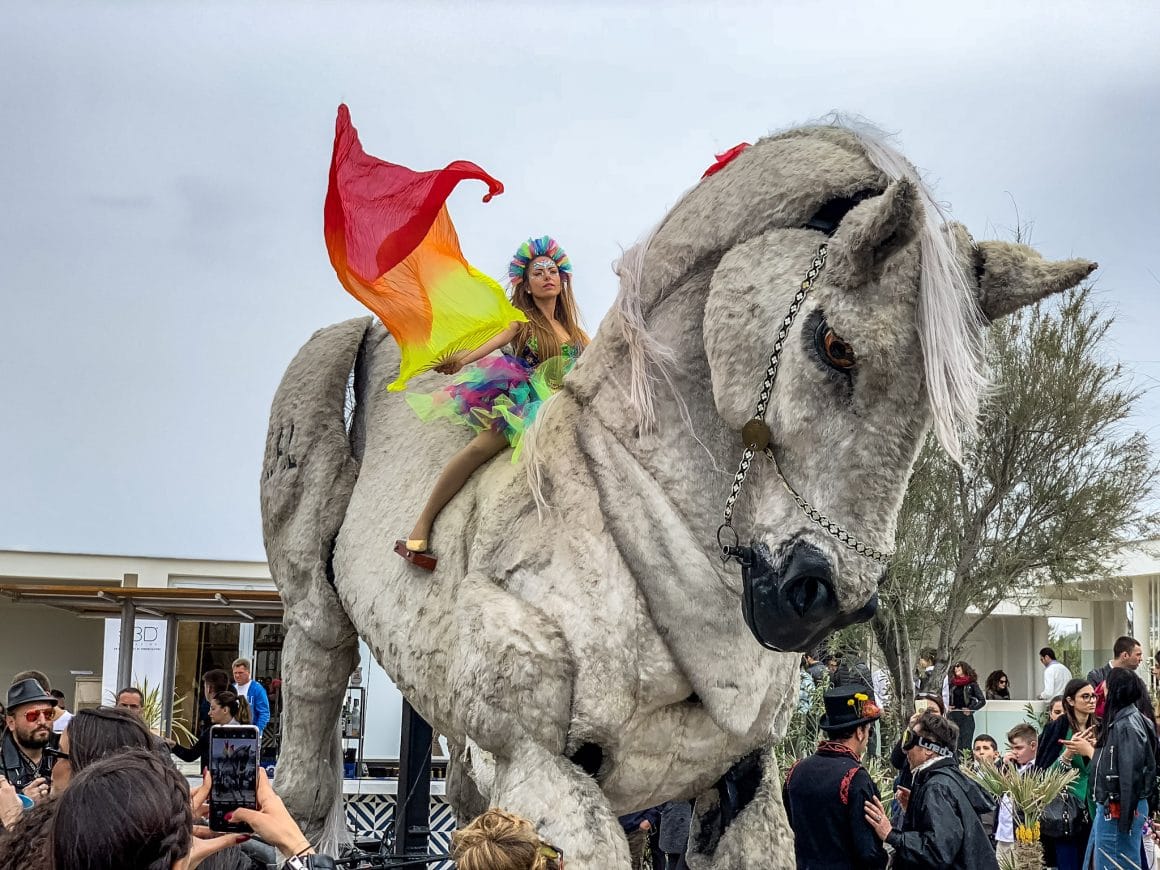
(417, 554)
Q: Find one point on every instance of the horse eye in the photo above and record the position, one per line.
(834, 350)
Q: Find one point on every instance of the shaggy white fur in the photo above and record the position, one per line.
(608, 627)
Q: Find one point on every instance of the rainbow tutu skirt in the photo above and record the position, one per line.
(501, 394)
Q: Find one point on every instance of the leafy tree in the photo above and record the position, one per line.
(1054, 482)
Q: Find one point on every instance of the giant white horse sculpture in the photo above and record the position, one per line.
(582, 642)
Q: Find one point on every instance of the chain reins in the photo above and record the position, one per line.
(756, 438)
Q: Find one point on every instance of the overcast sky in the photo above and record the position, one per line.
(163, 166)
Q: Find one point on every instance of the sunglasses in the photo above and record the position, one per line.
(33, 715)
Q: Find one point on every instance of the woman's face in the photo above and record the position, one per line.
(1084, 701)
(544, 280)
(62, 770)
(218, 715)
(959, 671)
(1001, 683)
(1057, 710)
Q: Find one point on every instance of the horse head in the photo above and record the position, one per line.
(824, 245)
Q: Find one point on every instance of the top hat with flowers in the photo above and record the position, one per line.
(847, 707)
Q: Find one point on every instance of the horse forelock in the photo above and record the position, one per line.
(948, 318)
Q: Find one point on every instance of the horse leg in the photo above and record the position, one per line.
(317, 660)
(308, 475)
(464, 795)
(743, 825)
(564, 803)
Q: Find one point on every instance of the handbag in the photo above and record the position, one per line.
(1065, 818)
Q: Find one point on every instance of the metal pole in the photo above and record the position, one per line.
(413, 802)
(128, 635)
(169, 676)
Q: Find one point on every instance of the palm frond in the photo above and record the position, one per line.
(1030, 791)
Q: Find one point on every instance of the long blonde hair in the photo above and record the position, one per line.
(499, 840)
(538, 327)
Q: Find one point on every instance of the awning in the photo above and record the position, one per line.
(173, 605)
(187, 605)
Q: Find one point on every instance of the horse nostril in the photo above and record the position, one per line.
(807, 595)
(807, 583)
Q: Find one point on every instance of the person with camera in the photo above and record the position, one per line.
(1067, 743)
(23, 760)
(1123, 774)
(941, 827)
(272, 822)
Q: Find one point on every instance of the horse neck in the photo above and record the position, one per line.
(688, 452)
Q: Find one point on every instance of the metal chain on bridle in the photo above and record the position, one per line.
(756, 437)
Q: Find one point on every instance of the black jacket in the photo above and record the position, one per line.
(824, 798)
(1129, 753)
(941, 829)
(968, 697)
(199, 750)
(14, 765)
(1098, 675)
(1049, 746)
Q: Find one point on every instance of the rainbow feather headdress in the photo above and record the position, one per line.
(394, 248)
(544, 246)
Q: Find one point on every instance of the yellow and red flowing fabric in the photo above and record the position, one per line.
(393, 245)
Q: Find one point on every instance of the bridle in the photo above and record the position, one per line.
(757, 438)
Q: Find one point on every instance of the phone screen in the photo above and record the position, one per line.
(233, 765)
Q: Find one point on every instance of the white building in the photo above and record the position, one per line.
(1127, 601)
(60, 612)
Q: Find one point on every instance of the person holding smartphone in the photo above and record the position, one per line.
(271, 821)
(224, 709)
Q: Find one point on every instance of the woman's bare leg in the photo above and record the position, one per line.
(461, 466)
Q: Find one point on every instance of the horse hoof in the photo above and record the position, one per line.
(419, 558)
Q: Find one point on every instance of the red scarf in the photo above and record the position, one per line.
(961, 681)
(833, 747)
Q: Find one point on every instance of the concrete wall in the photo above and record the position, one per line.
(49, 640)
(1011, 644)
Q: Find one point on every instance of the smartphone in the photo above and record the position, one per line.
(233, 766)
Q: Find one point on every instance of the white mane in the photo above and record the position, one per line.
(948, 315)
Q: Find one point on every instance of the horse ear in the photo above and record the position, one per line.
(875, 228)
(1012, 275)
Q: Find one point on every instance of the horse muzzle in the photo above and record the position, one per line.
(793, 606)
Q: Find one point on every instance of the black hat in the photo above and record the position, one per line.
(848, 707)
(27, 692)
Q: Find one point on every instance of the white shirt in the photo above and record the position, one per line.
(1005, 821)
(1055, 679)
(60, 724)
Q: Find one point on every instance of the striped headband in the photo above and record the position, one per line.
(544, 246)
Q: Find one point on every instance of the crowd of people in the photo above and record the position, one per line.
(1102, 727)
(98, 789)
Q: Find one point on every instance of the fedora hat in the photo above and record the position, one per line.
(27, 692)
(848, 707)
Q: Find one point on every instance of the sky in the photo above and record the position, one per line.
(163, 167)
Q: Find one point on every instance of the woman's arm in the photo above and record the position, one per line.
(192, 753)
(505, 337)
(976, 701)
